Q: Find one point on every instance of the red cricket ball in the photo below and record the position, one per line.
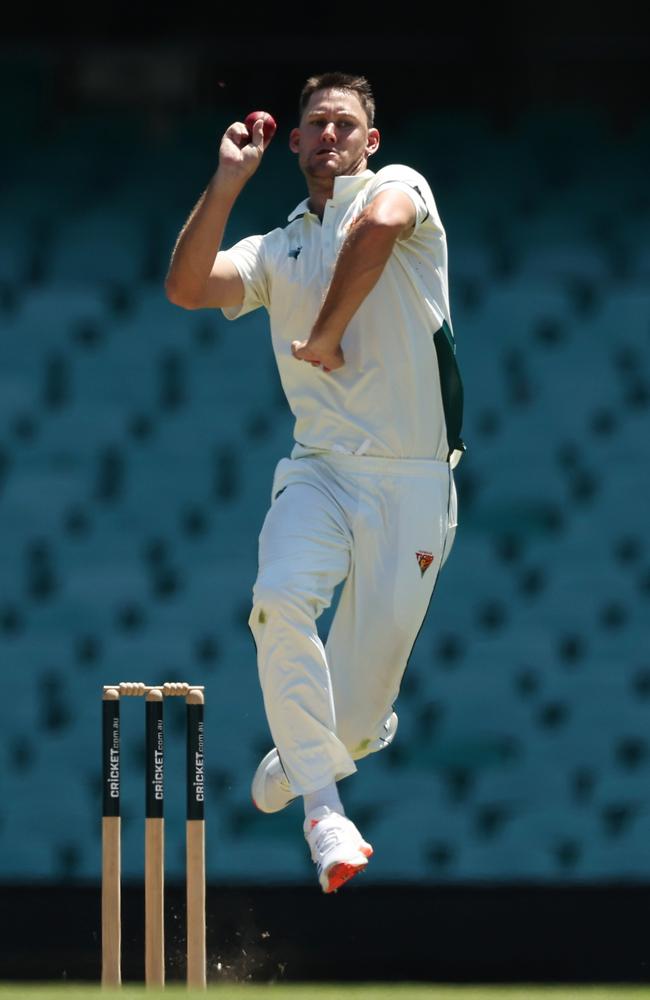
(269, 124)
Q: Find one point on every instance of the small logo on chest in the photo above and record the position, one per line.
(294, 253)
(424, 561)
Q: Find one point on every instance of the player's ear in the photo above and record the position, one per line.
(373, 141)
(294, 140)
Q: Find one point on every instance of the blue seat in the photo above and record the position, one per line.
(103, 247)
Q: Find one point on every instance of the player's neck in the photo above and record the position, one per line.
(320, 190)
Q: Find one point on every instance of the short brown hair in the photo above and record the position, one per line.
(340, 81)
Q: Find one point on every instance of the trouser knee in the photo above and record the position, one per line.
(273, 600)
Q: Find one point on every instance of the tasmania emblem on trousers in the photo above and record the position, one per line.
(424, 561)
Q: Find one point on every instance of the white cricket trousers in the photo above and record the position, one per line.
(385, 526)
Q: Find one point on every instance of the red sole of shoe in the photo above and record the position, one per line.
(340, 874)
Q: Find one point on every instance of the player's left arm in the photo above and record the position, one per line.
(390, 216)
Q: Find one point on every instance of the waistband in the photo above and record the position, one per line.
(375, 464)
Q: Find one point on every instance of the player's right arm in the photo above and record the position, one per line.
(199, 277)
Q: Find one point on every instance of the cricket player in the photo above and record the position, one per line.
(355, 285)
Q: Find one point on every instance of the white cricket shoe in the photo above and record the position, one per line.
(337, 848)
(271, 790)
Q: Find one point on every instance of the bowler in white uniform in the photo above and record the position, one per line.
(356, 290)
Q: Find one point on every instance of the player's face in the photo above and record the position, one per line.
(333, 138)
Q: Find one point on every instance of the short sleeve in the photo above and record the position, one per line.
(249, 259)
(401, 178)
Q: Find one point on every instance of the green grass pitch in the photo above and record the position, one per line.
(332, 991)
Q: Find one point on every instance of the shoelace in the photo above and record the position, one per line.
(327, 837)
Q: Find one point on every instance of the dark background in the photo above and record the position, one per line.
(499, 59)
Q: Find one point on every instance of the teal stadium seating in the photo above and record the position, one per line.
(137, 448)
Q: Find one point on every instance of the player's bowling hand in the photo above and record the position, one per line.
(318, 355)
(240, 152)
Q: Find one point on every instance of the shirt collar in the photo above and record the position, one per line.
(345, 188)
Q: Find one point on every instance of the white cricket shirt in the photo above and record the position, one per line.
(392, 397)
